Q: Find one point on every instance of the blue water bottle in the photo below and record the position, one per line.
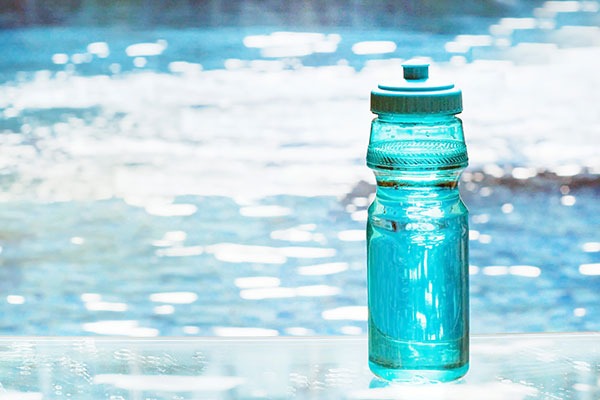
(417, 232)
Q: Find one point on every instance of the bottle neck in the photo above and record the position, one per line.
(416, 118)
(426, 185)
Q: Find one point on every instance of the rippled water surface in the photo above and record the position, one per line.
(212, 181)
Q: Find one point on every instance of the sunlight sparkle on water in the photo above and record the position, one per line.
(77, 240)
(268, 293)
(105, 306)
(251, 282)
(360, 201)
(528, 271)
(568, 200)
(91, 297)
(183, 67)
(171, 210)
(589, 269)
(140, 62)
(473, 269)
(481, 218)
(360, 216)
(180, 251)
(352, 235)
(265, 211)
(351, 313)
(146, 49)
(174, 297)
(299, 331)
(579, 312)
(240, 253)
(175, 236)
(166, 309)
(485, 238)
(287, 292)
(297, 235)
(562, 6)
(485, 191)
(191, 330)
(351, 330)
(323, 269)
(462, 43)
(79, 58)
(524, 173)
(518, 23)
(99, 49)
(308, 252)
(15, 299)
(494, 170)
(373, 47)
(292, 44)
(495, 270)
(567, 170)
(242, 332)
(591, 247)
(60, 58)
(475, 40)
(317, 291)
(120, 327)
(507, 208)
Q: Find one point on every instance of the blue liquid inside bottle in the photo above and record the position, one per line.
(417, 249)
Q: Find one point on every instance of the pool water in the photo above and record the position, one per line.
(211, 181)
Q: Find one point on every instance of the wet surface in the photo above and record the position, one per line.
(522, 367)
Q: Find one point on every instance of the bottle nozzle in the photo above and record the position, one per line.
(415, 71)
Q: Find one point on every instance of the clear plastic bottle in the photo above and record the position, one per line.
(417, 232)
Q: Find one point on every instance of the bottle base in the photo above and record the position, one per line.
(418, 375)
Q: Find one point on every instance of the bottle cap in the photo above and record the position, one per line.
(416, 94)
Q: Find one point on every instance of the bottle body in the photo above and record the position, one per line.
(417, 250)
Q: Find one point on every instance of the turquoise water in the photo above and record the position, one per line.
(211, 181)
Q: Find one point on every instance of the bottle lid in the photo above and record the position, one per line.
(416, 94)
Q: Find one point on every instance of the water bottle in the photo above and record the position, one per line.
(417, 232)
